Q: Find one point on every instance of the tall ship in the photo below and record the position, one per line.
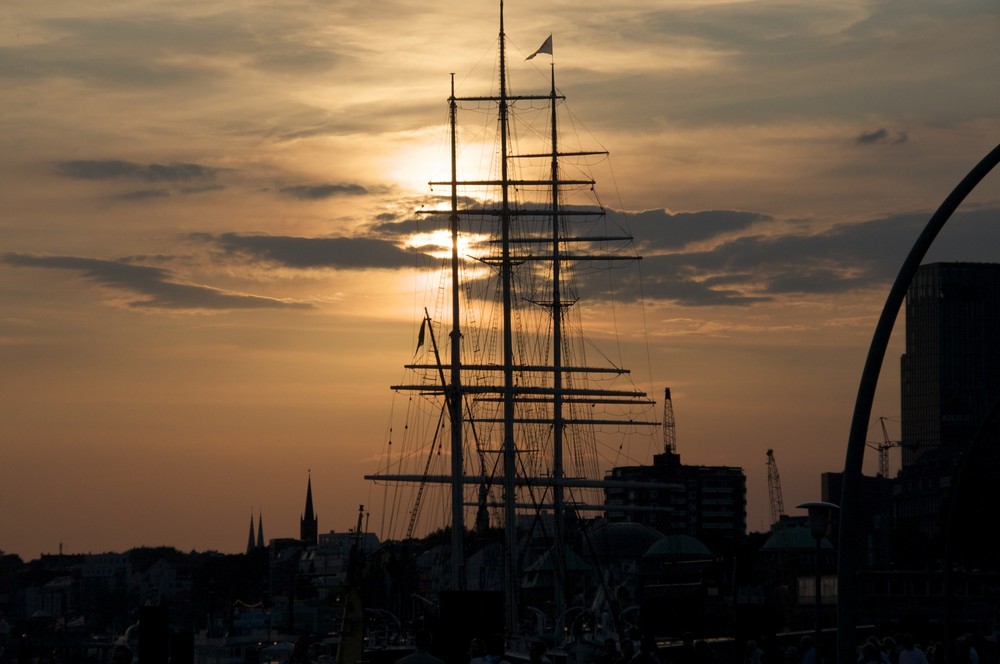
(509, 417)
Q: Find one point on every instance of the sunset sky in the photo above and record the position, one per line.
(202, 297)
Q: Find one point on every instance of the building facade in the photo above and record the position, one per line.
(708, 503)
(950, 383)
(950, 373)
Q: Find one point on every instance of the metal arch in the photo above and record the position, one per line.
(850, 504)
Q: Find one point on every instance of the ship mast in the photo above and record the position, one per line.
(513, 378)
(557, 373)
(454, 398)
(509, 444)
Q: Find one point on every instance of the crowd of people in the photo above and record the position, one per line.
(904, 649)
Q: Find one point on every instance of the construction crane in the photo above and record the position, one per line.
(883, 449)
(669, 428)
(774, 489)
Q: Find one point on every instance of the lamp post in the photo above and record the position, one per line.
(819, 522)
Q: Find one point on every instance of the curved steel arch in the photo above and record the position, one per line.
(850, 503)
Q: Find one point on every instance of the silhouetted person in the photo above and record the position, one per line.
(495, 649)
(870, 654)
(890, 650)
(773, 653)
(477, 651)
(807, 651)
(609, 654)
(967, 651)
(628, 651)
(704, 653)
(647, 651)
(300, 651)
(753, 654)
(686, 653)
(121, 655)
(536, 652)
(909, 653)
(422, 640)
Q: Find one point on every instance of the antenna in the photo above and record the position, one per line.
(669, 426)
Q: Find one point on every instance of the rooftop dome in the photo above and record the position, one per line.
(677, 546)
(793, 538)
(623, 540)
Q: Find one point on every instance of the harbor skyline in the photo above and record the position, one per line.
(207, 291)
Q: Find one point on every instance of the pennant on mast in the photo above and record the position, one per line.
(420, 336)
(546, 47)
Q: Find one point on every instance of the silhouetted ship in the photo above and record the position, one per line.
(508, 404)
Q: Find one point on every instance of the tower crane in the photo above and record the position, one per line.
(669, 428)
(774, 489)
(883, 449)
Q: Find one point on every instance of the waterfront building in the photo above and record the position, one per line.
(950, 383)
(950, 373)
(708, 503)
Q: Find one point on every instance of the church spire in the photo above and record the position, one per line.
(250, 540)
(309, 525)
(260, 530)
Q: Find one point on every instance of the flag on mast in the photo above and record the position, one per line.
(546, 47)
(420, 336)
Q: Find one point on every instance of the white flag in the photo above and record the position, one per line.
(546, 47)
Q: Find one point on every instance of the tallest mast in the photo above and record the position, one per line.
(456, 396)
(557, 360)
(509, 447)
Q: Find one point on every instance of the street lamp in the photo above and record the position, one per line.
(819, 522)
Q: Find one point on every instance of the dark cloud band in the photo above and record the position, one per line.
(153, 286)
(116, 169)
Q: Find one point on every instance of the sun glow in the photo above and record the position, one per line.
(438, 243)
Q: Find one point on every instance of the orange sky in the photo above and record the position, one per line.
(200, 301)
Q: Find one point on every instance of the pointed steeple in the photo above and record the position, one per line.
(260, 530)
(309, 526)
(250, 539)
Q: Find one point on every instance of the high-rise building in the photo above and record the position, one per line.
(950, 374)
(950, 382)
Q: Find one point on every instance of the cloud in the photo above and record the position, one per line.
(155, 287)
(844, 258)
(316, 192)
(660, 229)
(143, 194)
(882, 135)
(116, 169)
(156, 49)
(739, 258)
(304, 253)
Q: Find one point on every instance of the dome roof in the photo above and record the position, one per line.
(793, 538)
(677, 546)
(623, 540)
(571, 562)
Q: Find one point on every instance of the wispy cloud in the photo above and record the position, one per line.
(882, 135)
(116, 169)
(154, 287)
(848, 257)
(659, 230)
(357, 253)
(315, 192)
(143, 195)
